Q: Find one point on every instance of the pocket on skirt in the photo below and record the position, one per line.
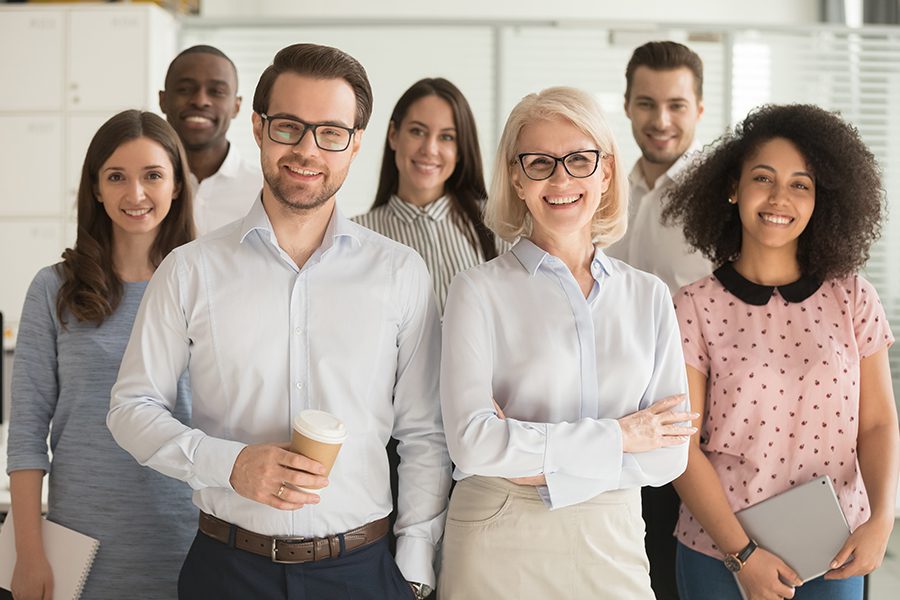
(474, 505)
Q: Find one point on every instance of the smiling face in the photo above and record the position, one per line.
(776, 196)
(200, 99)
(304, 177)
(664, 111)
(425, 149)
(561, 205)
(136, 186)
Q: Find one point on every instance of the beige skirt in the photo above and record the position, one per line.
(501, 541)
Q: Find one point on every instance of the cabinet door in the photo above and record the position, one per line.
(80, 131)
(28, 245)
(31, 165)
(31, 44)
(107, 60)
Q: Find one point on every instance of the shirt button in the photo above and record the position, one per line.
(298, 330)
(299, 385)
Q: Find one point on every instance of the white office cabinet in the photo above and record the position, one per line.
(32, 68)
(80, 129)
(26, 246)
(33, 186)
(66, 69)
(107, 59)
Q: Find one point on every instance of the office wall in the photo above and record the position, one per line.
(770, 12)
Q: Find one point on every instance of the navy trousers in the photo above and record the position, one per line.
(215, 571)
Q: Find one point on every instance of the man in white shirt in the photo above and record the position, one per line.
(295, 307)
(199, 101)
(664, 101)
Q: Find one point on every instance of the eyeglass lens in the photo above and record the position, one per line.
(577, 164)
(328, 137)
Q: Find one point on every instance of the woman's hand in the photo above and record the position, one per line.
(764, 575)
(655, 426)
(32, 578)
(534, 479)
(863, 551)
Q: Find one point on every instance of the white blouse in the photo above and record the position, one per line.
(563, 368)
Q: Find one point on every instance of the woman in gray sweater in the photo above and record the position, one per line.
(133, 208)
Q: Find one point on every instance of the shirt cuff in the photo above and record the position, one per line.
(28, 462)
(415, 557)
(214, 461)
(566, 490)
(588, 449)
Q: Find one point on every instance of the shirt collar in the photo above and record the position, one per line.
(229, 168)
(759, 295)
(406, 211)
(339, 226)
(636, 176)
(531, 257)
(232, 163)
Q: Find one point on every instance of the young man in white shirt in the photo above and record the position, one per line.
(199, 101)
(295, 307)
(664, 102)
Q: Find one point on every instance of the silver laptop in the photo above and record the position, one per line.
(803, 526)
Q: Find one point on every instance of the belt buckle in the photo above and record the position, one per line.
(274, 550)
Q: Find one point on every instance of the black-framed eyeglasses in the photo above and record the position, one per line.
(538, 166)
(290, 131)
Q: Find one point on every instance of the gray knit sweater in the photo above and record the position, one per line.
(61, 383)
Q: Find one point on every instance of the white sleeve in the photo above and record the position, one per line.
(140, 416)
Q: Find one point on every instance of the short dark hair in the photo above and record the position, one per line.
(202, 49)
(849, 206)
(466, 184)
(321, 62)
(665, 56)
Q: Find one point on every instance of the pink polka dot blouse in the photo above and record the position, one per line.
(782, 400)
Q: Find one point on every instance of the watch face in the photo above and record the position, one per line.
(732, 563)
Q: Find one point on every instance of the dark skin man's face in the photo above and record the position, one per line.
(200, 100)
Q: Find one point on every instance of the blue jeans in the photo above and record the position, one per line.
(701, 577)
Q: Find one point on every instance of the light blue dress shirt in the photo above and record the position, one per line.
(563, 368)
(354, 332)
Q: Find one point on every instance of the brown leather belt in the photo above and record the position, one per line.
(292, 550)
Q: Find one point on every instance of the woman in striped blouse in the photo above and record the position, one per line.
(431, 190)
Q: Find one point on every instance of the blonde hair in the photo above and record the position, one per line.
(506, 214)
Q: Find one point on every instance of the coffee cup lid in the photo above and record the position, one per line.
(320, 426)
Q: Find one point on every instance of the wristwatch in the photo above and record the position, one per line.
(735, 562)
(420, 590)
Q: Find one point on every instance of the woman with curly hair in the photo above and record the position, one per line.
(134, 206)
(786, 350)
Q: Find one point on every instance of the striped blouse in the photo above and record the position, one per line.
(444, 237)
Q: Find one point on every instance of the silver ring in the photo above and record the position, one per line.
(280, 491)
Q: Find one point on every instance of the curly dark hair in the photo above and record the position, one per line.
(850, 204)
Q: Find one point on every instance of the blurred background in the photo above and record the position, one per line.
(66, 67)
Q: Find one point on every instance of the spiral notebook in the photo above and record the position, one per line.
(70, 554)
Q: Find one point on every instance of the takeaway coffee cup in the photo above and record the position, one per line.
(318, 435)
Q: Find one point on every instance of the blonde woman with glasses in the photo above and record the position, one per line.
(561, 388)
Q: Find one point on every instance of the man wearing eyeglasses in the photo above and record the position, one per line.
(664, 102)
(199, 102)
(295, 307)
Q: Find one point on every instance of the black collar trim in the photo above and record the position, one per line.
(759, 295)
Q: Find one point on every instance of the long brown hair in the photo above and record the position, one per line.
(466, 184)
(91, 290)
